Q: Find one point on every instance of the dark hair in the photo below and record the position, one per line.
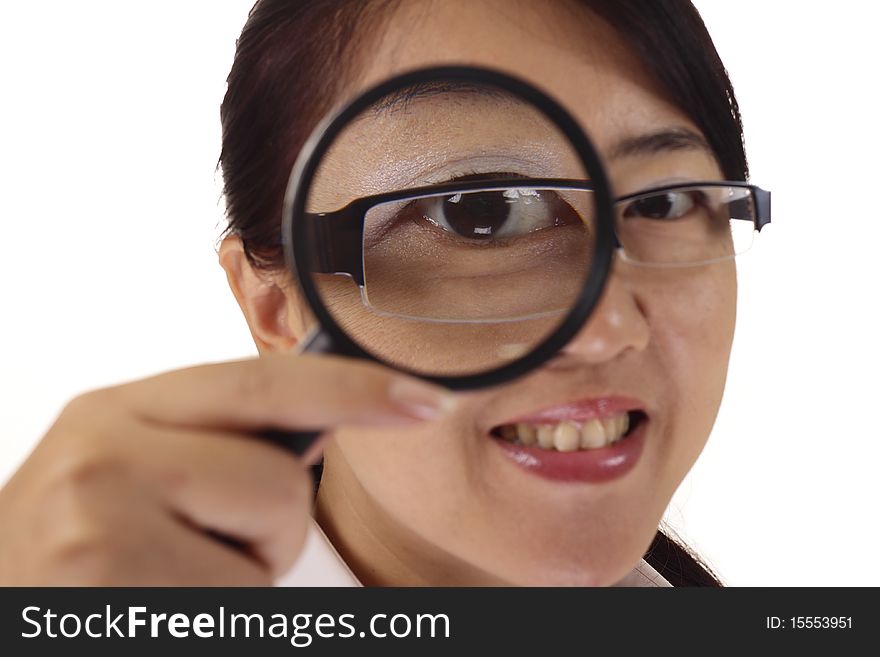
(293, 59)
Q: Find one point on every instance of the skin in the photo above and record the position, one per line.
(437, 503)
(133, 484)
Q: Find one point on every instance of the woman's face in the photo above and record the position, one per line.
(444, 503)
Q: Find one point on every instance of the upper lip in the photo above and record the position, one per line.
(580, 410)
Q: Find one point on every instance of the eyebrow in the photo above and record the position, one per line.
(664, 140)
(660, 141)
(401, 98)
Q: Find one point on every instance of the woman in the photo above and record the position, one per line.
(413, 490)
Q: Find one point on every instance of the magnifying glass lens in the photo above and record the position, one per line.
(452, 228)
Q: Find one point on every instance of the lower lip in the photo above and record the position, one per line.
(593, 466)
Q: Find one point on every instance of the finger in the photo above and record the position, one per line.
(250, 491)
(295, 391)
(197, 559)
(161, 550)
(110, 529)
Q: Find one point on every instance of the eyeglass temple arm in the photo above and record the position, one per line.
(339, 237)
(762, 207)
(759, 213)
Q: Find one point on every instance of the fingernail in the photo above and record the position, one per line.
(419, 399)
(316, 450)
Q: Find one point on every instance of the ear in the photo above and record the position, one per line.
(276, 315)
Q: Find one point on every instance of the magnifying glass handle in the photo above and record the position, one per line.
(299, 442)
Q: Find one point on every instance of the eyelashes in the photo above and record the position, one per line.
(381, 221)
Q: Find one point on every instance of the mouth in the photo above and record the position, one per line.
(572, 435)
(592, 441)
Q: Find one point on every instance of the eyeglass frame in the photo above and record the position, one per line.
(340, 232)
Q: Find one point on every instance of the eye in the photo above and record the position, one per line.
(664, 205)
(478, 216)
(496, 214)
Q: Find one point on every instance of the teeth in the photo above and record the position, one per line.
(545, 436)
(624, 424)
(593, 433)
(526, 433)
(569, 435)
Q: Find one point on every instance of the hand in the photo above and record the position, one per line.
(164, 481)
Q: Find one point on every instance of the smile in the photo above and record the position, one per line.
(571, 435)
(591, 441)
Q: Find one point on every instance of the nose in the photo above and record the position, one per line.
(618, 324)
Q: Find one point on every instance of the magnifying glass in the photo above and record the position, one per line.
(454, 223)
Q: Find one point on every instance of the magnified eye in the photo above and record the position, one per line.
(494, 214)
(475, 215)
(664, 205)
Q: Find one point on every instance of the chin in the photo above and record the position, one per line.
(597, 569)
(594, 551)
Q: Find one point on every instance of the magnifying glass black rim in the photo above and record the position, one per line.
(295, 239)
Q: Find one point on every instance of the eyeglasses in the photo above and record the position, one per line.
(508, 249)
(677, 225)
(689, 224)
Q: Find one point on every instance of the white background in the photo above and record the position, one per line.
(109, 135)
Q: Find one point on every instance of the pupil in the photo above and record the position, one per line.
(655, 207)
(477, 216)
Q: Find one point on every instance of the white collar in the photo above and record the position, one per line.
(319, 564)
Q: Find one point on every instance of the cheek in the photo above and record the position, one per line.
(692, 316)
(434, 348)
(412, 473)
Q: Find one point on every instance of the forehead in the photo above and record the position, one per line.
(430, 137)
(558, 45)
